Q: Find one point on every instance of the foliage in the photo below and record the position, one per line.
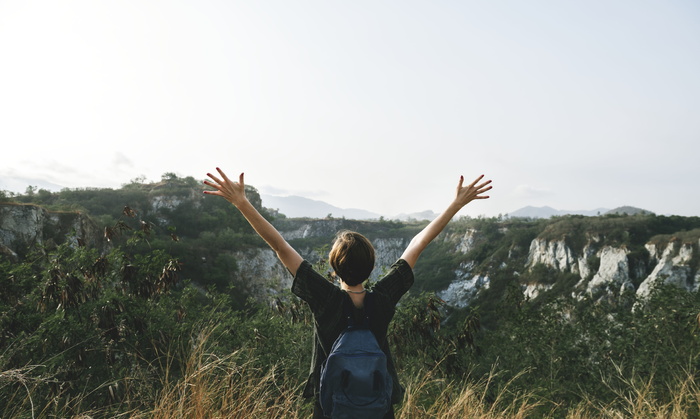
(83, 331)
(106, 346)
(149, 325)
(621, 230)
(171, 215)
(569, 345)
(435, 271)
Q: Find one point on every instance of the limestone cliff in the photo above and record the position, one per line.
(603, 266)
(467, 257)
(23, 227)
(312, 238)
(671, 263)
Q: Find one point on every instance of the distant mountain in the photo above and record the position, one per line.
(629, 211)
(547, 212)
(423, 215)
(300, 207)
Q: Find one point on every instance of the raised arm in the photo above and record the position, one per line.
(234, 192)
(464, 195)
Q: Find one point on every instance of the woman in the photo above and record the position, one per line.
(352, 258)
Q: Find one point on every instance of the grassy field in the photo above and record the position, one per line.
(211, 386)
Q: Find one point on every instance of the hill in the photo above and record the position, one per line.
(209, 230)
(300, 207)
(547, 212)
(627, 210)
(114, 298)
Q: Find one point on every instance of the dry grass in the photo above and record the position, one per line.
(637, 399)
(453, 400)
(225, 387)
(211, 386)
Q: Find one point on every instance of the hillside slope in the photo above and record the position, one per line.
(601, 257)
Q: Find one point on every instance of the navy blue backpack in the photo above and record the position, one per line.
(355, 381)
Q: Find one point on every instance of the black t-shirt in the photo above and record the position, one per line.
(326, 302)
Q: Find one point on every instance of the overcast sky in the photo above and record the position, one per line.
(378, 105)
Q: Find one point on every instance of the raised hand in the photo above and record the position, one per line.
(466, 194)
(234, 192)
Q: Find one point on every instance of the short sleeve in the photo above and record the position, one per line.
(312, 287)
(396, 282)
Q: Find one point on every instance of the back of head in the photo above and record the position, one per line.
(352, 257)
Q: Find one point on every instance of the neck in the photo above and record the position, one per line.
(356, 292)
(354, 289)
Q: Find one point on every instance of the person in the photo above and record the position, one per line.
(352, 258)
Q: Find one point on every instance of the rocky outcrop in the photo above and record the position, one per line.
(460, 292)
(554, 254)
(167, 202)
(305, 229)
(613, 271)
(467, 241)
(603, 267)
(467, 283)
(673, 266)
(27, 226)
(532, 291)
(263, 274)
(22, 225)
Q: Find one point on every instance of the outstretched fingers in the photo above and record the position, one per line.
(225, 178)
(483, 187)
(216, 185)
(471, 185)
(217, 190)
(223, 175)
(234, 192)
(479, 188)
(214, 178)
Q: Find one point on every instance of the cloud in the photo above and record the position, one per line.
(55, 174)
(19, 184)
(48, 173)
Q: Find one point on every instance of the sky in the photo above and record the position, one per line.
(378, 105)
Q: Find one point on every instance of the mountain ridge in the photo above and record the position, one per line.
(547, 211)
(295, 206)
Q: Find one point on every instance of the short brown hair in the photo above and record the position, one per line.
(352, 257)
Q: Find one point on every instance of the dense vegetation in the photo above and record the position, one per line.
(142, 328)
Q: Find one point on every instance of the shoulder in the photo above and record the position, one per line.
(401, 267)
(396, 282)
(311, 286)
(399, 271)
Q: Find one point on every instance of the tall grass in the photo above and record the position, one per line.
(636, 398)
(230, 386)
(430, 396)
(205, 385)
